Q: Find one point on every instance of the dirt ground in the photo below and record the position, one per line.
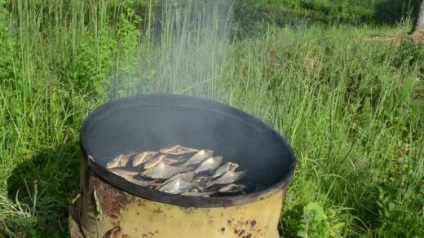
(418, 36)
(397, 37)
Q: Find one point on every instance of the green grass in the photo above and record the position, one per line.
(351, 107)
(255, 14)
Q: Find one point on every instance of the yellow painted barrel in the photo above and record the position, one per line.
(126, 215)
(110, 206)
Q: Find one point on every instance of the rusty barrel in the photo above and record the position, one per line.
(110, 206)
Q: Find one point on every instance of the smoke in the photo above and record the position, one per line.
(193, 40)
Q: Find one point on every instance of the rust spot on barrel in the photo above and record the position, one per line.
(112, 200)
(112, 233)
(149, 234)
(157, 210)
(189, 210)
(140, 203)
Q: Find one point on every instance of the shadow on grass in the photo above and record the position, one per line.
(391, 12)
(46, 183)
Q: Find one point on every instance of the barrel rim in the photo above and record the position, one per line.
(173, 199)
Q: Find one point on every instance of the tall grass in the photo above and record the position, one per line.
(190, 43)
(350, 105)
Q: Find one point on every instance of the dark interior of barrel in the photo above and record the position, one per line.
(151, 123)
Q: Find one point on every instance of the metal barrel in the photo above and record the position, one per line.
(110, 206)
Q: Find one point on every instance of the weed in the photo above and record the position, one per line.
(316, 223)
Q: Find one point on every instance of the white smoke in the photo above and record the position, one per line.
(193, 43)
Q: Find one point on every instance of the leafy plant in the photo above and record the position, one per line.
(316, 223)
(88, 68)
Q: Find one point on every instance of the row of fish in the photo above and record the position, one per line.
(180, 170)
